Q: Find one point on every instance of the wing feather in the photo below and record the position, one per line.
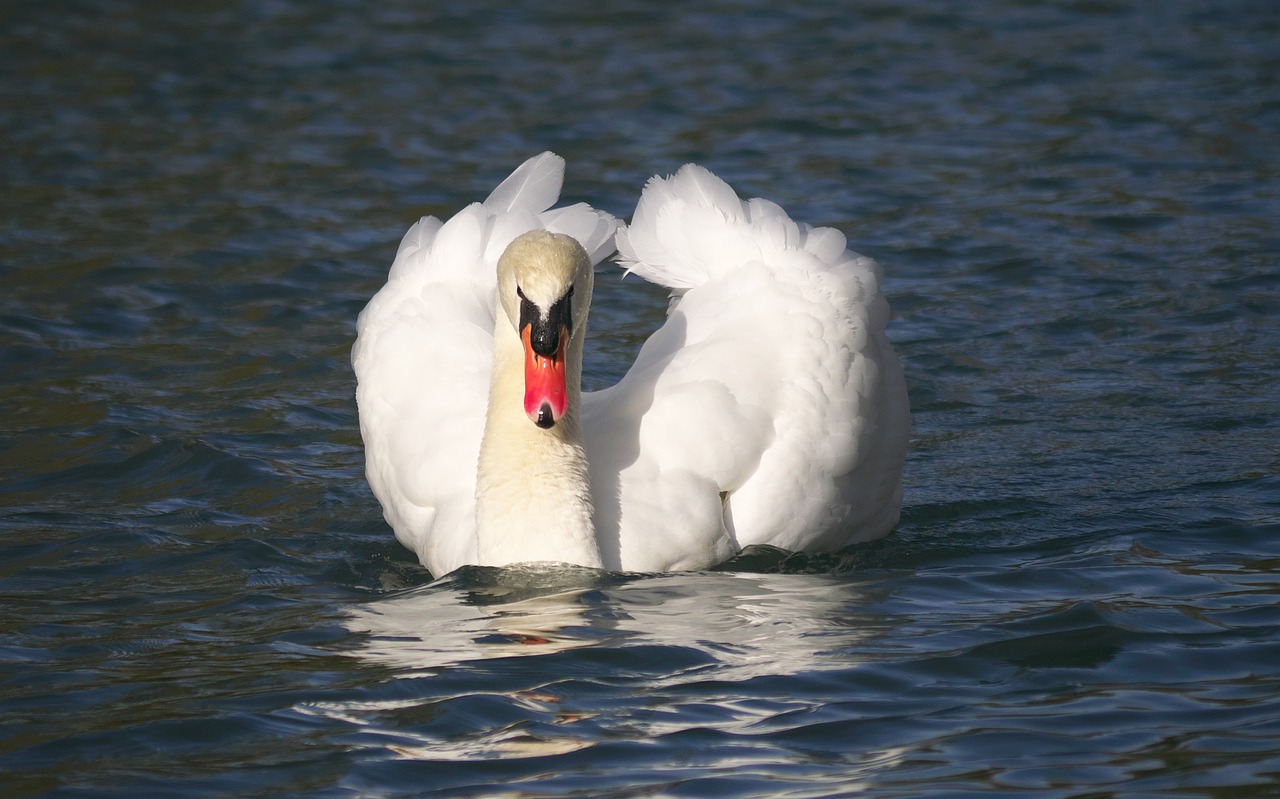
(534, 186)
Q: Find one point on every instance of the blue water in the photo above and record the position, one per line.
(1077, 207)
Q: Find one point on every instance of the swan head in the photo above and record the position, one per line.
(544, 287)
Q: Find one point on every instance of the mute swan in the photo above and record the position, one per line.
(768, 409)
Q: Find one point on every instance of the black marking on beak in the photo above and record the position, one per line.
(544, 335)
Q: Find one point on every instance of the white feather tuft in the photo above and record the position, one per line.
(533, 187)
(691, 228)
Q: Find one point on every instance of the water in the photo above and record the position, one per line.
(1076, 207)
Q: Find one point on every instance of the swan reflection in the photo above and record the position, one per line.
(492, 664)
(744, 624)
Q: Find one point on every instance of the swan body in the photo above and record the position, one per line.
(768, 409)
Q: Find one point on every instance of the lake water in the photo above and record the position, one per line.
(1077, 207)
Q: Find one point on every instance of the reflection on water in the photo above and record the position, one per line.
(689, 642)
(754, 623)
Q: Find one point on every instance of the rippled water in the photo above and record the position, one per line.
(1076, 206)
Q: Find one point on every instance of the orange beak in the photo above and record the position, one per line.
(545, 396)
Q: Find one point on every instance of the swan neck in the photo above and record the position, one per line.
(533, 492)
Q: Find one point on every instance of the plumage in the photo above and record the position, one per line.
(768, 409)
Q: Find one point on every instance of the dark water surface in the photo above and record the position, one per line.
(1077, 206)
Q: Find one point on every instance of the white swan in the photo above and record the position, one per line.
(769, 409)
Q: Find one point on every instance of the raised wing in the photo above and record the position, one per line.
(769, 409)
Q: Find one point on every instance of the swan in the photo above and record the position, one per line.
(769, 408)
